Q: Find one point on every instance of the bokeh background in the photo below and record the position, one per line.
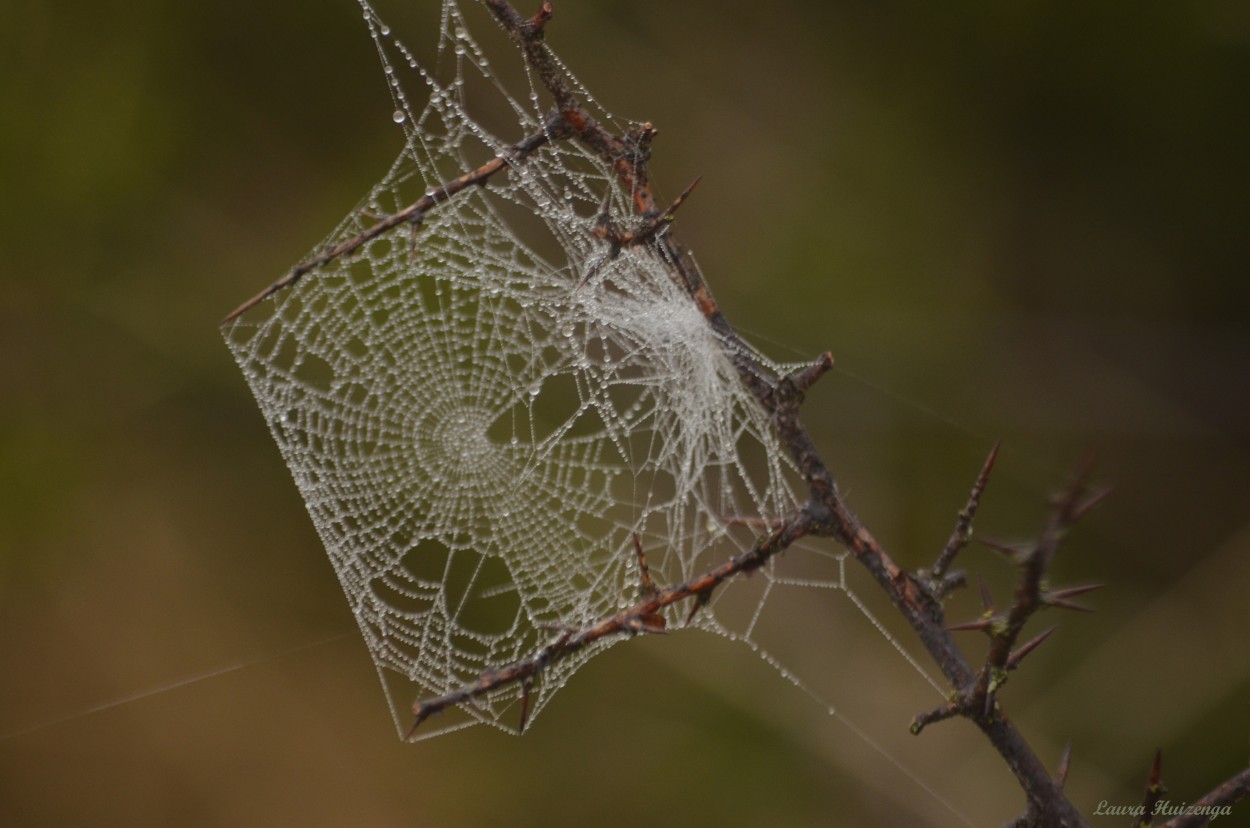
(1024, 221)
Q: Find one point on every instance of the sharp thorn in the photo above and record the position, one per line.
(983, 479)
(1012, 551)
(1089, 503)
(1067, 503)
(525, 706)
(979, 624)
(988, 712)
(1013, 660)
(422, 714)
(1065, 763)
(648, 587)
(667, 216)
(1072, 592)
(701, 600)
(987, 600)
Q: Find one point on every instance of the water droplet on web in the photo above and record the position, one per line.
(398, 116)
(567, 330)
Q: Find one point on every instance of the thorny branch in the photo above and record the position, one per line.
(640, 618)
(918, 597)
(555, 129)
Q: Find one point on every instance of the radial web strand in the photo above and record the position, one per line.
(482, 411)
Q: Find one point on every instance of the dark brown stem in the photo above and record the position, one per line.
(1223, 797)
(963, 527)
(630, 621)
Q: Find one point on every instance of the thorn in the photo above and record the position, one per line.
(978, 488)
(590, 274)
(1156, 772)
(979, 624)
(1154, 789)
(1091, 501)
(701, 600)
(1013, 660)
(525, 688)
(420, 711)
(1072, 592)
(1065, 762)
(987, 600)
(1068, 501)
(667, 215)
(988, 465)
(1013, 551)
(963, 521)
(648, 588)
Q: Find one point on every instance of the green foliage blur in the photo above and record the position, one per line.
(1024, 221)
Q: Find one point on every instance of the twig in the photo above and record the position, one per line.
(963, 528)
(629, 621)
(412, 214)
(1221, 799)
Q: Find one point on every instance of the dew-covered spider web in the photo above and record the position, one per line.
(485, 409)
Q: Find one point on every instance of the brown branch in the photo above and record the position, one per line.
(963, 530)
(978, 701)
(1222, 798)
(629, 621)
(413, 214)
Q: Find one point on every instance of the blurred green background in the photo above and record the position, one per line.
(1023, 220)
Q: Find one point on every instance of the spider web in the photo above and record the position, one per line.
(482, 413)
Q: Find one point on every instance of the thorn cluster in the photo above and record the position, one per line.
(1006, 626)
